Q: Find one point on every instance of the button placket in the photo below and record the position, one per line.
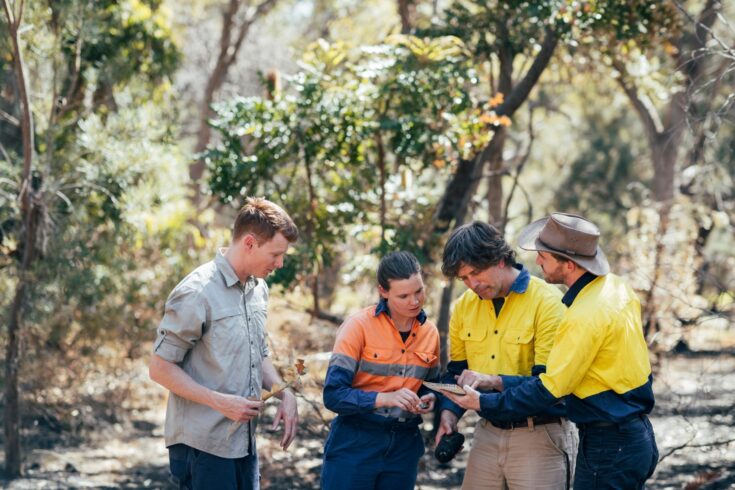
(246, 326)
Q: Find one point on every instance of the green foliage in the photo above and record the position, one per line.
(305, 150)
(321, 149)
(105, 167)
(488, 27)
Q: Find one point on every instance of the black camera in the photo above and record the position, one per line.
(448, 447)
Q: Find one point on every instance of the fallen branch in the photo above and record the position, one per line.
(687, 445)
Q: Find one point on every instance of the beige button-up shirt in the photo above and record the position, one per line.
(214, 328)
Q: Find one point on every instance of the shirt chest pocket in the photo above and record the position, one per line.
(518, 347)
(381, 355)
(227, 333)
(258, 314)
(473, 336)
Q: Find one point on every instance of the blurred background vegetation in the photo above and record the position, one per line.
(131, 131)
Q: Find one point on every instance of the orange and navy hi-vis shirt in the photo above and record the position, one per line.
(370, 357)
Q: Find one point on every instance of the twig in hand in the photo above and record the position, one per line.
(275, 390)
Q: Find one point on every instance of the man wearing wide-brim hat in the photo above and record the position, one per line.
(599, 361)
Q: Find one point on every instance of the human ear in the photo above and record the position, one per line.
(383, 292)
(248, 241)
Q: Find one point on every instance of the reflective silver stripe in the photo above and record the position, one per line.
(343, 361)
(402, 370)
(433, 373)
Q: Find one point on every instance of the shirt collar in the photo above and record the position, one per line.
(228, 273)
(520, 284)
(382, 307)
(578, 285)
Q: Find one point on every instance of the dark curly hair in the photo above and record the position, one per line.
(478, 245)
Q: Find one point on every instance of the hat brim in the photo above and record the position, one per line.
(528, 240)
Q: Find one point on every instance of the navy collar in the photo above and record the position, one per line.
(382, 307)
(578, 285)
(520, 285)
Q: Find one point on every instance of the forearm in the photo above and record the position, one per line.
(340, 397)
(271, 377)
(177, 381)
(526, 399)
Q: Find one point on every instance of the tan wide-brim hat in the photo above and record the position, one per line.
(570, 236)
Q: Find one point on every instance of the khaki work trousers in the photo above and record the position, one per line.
(541, 457)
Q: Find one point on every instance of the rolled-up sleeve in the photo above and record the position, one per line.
(182, 324)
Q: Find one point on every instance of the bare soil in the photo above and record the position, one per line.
(693, 421)
(113, 437)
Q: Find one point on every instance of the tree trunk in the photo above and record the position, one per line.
(495, 179)
(310, 229)
(664, 153)
(665, 135)
(460, 190)
(406, 9)
(228, 51)
(506, 57)
(443, 322)
(12, 412)
(461, 208)
(381, 170)
(13, 454)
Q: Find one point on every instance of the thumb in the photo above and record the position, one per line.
(469, 389)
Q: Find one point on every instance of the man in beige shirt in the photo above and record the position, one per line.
(211, 354)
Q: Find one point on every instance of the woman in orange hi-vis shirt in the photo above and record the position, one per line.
(381, 356)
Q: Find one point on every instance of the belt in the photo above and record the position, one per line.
(609, 425)
(528, 422)
(389, 424)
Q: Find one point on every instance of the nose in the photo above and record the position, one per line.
(473, 283)
(279, 262)
(538, 259)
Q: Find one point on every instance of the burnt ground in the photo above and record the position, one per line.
(123, 448)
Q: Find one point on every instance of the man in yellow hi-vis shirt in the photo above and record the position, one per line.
(599, 362)
(504, 325)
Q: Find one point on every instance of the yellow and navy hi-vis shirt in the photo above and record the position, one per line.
(370, 357)
(599, 361)
(511, 339)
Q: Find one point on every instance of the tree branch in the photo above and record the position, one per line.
(260, 11)
(520, 92)
(519, 167)
(697, 41)
(9, 118)
(26, 115)
(648, 115)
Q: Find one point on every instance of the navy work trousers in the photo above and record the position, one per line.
(618, 457)
(370, 457)
(193, 469)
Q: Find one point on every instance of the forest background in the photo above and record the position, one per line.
(131, 131)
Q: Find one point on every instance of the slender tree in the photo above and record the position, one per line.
(29, 214)
(699, 72)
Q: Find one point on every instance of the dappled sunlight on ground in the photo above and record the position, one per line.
(693, 419)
